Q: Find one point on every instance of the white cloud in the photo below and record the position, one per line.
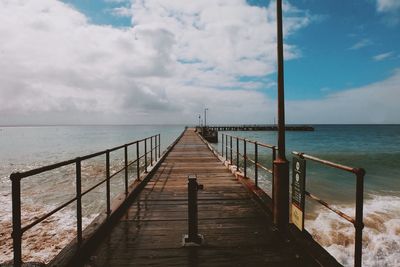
(360, 44)
(390, 10)
(387, 5)
(374, 103)
(121, 12)
(57, 67)
(382, 56)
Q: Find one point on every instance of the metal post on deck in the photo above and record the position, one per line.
(126, 168)
(159, 145)
(237, 154)
(145, 155)
(245, 159)
(226, 148)
(137, 161)
(359, 224)
(156, 146)
(16, 217)
(151, 154)
(231, 161)
(78, 201)
(222, 145)
(256, 164)
(281, 165)
(108, 182)
(193, 238)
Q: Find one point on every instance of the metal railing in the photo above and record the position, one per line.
(16, 178)
(358, 220)
(227, 145)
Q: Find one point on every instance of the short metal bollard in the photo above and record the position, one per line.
(193, 238)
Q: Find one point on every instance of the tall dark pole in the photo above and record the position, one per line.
(281, 165)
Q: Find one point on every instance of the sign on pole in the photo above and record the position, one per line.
(298, 188)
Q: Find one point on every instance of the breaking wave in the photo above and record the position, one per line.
(381, 235)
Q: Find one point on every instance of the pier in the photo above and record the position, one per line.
(259, 127)
(236, 230)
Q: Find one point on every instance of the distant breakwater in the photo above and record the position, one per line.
(259, 127)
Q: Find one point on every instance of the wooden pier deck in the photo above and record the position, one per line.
(236, 229)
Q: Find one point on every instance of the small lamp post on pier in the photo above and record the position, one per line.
(199, 120)
(281, 165)
(205, 117)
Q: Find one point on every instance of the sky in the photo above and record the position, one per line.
(164, 61)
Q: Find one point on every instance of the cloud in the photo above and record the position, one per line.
(121, 12)
(360, 44)
(390, 9)
(382, 56)
(387, 5)
(178, 56)
(373, 103)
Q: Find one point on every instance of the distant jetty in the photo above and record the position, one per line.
(258, 127)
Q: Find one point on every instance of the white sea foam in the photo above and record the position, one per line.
(381, 235)
(42, 242)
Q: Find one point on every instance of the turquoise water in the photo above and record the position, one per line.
(376, 148)
(25, 147)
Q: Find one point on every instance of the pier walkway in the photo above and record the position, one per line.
(237, 231)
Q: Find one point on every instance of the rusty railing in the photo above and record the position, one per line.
(358, 220)
(17, 177)
(228, 149)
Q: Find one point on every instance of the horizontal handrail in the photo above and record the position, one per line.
(328, 163)
(358, 220)
(338, 212)
(47, 215)
(24, 174)
(17, 177)
(251, 141)
(229, 147)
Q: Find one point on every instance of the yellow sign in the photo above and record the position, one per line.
(297, 217)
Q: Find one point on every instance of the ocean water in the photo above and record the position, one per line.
(25, 148)
(376, 148)
(373, 147)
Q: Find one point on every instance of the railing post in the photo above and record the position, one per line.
(78, 201)
(156, 146)
(245, 159)
(256, 164)
(145, 155)
(222, 145)
(108, 182)
(226, 148)
(137, 161)
(231, 149)
(359, 225)
(126, 169)
(16, 217)
(237, 154)
(273, 174)
(151, 154)
(159, 145)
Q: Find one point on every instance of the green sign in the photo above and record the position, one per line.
(298, 189)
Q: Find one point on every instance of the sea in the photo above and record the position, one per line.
(376, 148)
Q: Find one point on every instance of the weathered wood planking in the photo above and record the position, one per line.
(236, 230)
